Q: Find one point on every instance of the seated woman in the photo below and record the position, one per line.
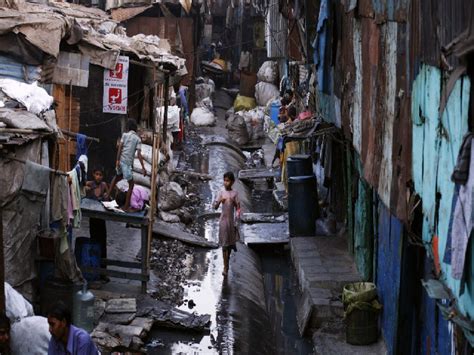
(139, 197)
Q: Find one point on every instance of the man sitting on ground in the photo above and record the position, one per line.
(67, 339)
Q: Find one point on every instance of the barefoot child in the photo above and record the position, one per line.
(228, 235)
(97, 188)
(129, 143)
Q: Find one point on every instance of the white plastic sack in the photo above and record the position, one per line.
(173, 117)
(206, 103)
(265, 92)
(203, 117)
(147, 154)
(204, 89)
(171, 197)
(30, 336)
(254, 120)
(268, 72)
(137, 167)
(33, 97)
(16, 305)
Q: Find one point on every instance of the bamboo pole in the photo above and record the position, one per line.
(154, 168)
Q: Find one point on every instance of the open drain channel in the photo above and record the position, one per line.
(252, 311)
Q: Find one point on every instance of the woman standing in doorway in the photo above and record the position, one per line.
(228, 232)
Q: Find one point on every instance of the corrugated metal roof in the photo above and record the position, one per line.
(11, 69)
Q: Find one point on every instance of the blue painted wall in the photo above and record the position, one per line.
(389, 261)
(436, 142)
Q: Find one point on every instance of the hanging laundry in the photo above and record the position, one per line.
(462, 222)
(448, 252)
(36, 178)
(81, 146)
(75, 197)
(59, 204)
(461, 170)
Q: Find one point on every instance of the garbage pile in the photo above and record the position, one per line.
(247, 120)
(203, 114)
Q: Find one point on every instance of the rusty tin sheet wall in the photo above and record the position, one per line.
(384, 10)
(435, 24)
(375, 104)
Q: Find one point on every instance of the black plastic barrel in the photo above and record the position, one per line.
(88, 255)
(299, 165)
(303, 206)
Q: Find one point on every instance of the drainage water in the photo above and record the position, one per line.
(241, 321)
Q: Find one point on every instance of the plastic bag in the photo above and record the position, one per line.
(266, 92)
(237, 129)
(268, 72)
(33, 97)
(16, 305)
(203, 117)
(171, 197)
(30, 335)
(244, 103)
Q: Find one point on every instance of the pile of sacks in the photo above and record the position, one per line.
(29, 334)
(203, 114)
(246, 120)
(266, 90)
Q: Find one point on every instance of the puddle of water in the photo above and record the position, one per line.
(281, 293)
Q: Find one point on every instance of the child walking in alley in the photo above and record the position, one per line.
(228, 233)
(129, 143)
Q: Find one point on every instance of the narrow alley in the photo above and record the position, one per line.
(236, 177)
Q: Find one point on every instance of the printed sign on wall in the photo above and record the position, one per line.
(115, 87)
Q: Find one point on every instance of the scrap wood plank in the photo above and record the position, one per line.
(166, 230)
(167, 316)
(263, 218)
(253, 174)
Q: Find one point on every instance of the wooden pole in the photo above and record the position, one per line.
(165, 115)
(154, 168)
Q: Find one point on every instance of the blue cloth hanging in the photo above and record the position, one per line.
(81, 145)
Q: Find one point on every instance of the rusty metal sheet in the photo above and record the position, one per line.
(162, 27)
(390, 67)
(434, 25)
(373, 91)
(401, 131)
(123, 14)
(346, 69)
(356, 108)
(385, 10)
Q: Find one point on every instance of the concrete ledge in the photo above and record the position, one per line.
(332, 344)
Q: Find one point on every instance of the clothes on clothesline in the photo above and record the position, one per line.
(75, 192)
(36, 178)
(60, 200)
(81, 146)
(462, 221)
(461, 170)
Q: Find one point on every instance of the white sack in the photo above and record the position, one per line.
(265, 92)
(33, 97)
(30, 336)
(268, 72)
(255, 120)
(137, 167)
(203, 117)
(173, 117)
(16, 305)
